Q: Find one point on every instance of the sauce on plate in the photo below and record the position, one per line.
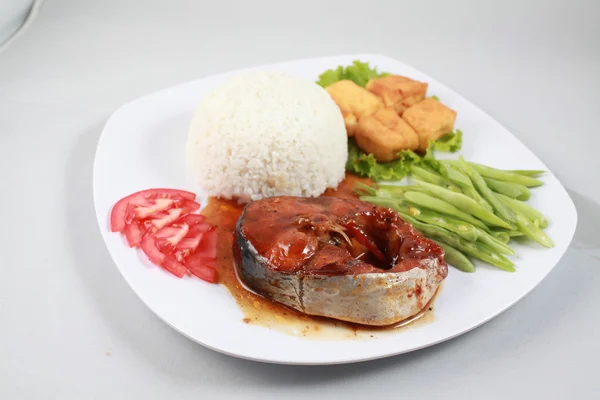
(257, 310)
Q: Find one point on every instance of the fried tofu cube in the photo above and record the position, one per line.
(384, 134)
(354, 102)
(398, 91)
(430, 119)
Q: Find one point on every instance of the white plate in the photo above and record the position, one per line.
(142, 147)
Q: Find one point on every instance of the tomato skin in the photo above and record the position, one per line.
(204, 273)
(201, 228)
(133, 233)
(151, 249)
(208, 246)
(174, 267)
(189, 207)
(201, 265)
(196, 260)
(192, 219)
(119, 211)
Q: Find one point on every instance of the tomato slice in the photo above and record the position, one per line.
(162, 223)
(165, 218)
(119, 211)
(200, 228)
(196, 260)
(133, 233)
(155, 206)
(174, 267)
(151, 249)
(189, 243)
(192, 219)
(202, 268)
(170, 236)
(187, 246)
(208, 245)
(189, 207)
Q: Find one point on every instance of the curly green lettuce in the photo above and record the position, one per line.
(359, 72)
(364, 164)
(450, 143)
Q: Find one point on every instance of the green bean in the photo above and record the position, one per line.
(502, 210)
(500, 174)
(397, 191)
(532, 231)
(461, 228)
(454, 175)
(455, 258)
(512, 190)
(510, 233)
(361, 188)
(495, 244)
(501, 236)
(387, 202)
(432, 177)
(474, 249)
(385, 190)
(465, 183)
(525, 209)
(466, 204)
(435, 204)
(527, 172)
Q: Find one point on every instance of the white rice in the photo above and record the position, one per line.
(264, 134)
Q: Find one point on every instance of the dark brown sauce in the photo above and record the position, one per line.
(223, 214)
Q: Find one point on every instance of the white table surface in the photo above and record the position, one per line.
(70, 328)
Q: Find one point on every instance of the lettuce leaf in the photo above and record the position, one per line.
(450, 143)
(359, 72)
(366, 165)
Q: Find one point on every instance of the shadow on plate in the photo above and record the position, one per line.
(140, 331)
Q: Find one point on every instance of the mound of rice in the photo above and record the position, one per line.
(264, 134)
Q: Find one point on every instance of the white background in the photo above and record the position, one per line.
(70, 328)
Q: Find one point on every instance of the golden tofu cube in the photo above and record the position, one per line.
(430, 119)
(354, 102)
(384, 134)
(398, 91)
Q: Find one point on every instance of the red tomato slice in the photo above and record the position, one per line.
(208, 246)
(195, 261)
(192, 219)
(189, 243)
(151, 249)
(182, 237)
(189, 207)
(119, 210)
(169, 237)
(133, 233)
(202, 268)
(174, 267)
(144, 211)
(200, 228)
(164, 219)
(160, 221)
(187, 246)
